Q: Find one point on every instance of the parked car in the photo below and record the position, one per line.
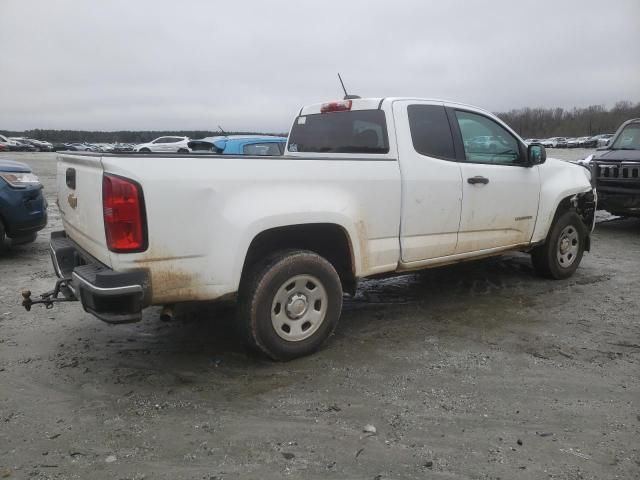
(104, 147)
(10, 144)
(616, 171)
(20, 145)
(287, 235)
(59, 147)
(122, 148)
(39, 146)
(555, 142)
(164, 145)
(23, 208)
(85, 147)
(533, 140)
(240, 145)
(573, 142)
(603, 140)
(583, 142)
(486, 144)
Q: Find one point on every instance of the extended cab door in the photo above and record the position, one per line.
(431, 181)
(500, 191)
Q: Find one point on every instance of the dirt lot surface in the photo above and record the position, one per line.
(478, 371)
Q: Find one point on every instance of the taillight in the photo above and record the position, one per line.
(341, 106)
(123, 210)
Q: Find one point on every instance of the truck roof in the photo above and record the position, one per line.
(374, 103)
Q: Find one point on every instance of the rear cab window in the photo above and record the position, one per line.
(354, 131)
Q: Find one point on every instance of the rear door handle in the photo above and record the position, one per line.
(478, 179)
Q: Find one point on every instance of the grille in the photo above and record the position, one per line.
(616, 171)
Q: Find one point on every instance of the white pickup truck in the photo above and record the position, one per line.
(366, 187)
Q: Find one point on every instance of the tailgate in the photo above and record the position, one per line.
(79, 179)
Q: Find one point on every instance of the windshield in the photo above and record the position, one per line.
(629, 138)
(358, 131)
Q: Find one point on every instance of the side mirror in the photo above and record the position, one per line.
(536, 154)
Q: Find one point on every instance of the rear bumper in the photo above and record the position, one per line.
(114, 297)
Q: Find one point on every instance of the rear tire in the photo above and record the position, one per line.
(183, 150)
(289, 304)
(561, 254)
(144, 150)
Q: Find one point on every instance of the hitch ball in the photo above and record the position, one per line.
(26, 300)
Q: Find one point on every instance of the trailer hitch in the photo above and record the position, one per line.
(51, 297)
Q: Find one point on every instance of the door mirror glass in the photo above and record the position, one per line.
(537, 154)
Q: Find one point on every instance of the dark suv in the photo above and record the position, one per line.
(23, 208)
(616, 171)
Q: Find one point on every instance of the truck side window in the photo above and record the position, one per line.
(430, 131)
(485, 141)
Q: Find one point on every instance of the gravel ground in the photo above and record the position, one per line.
(478, 371)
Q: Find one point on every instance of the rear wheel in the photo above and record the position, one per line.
(183, 150)
(560, 256)
(145, 150)
(289, 304)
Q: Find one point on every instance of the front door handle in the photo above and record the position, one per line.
(478, 179)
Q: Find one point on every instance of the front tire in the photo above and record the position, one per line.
(24, 240)
(289, 304)
(561, 254)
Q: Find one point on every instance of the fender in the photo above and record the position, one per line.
(325, 205)
(559, 181)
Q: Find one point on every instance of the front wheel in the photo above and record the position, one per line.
(289, 304)
(560, 256)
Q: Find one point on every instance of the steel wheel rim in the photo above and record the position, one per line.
(299, 308)
(568, 246)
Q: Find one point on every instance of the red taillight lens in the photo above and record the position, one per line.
(123, 210)
(341, 106)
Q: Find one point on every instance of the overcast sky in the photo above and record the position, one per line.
(250, 65)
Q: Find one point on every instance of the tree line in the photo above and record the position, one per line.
(577, 122)
(123, 136)
(528, 122)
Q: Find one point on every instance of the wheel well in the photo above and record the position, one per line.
(326, 239)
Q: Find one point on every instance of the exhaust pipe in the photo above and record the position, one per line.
(166, 315)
